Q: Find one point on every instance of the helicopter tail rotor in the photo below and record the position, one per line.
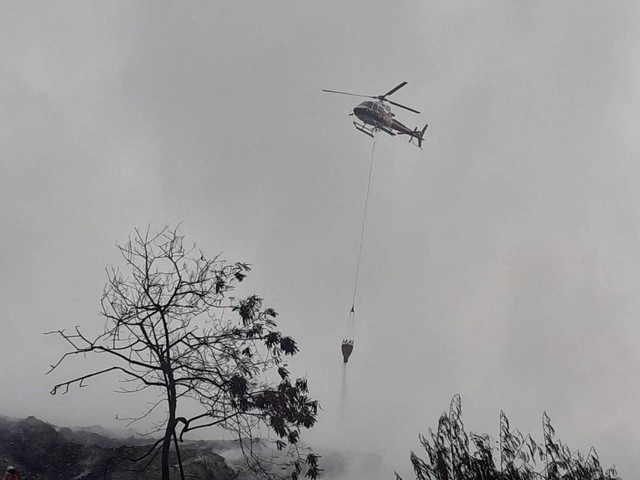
(418, 135)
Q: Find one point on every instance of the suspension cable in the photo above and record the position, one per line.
(364, 222)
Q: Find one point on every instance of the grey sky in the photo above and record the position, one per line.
(501, 262)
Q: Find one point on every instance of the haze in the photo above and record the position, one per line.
(501, 262)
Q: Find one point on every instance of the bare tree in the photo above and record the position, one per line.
(172, 325)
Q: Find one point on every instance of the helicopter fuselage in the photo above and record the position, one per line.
(379, 115)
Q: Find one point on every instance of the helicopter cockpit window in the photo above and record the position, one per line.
(367, 104)
(376, 107)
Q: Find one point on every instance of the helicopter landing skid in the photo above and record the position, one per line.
(364, 129)
(387, 131)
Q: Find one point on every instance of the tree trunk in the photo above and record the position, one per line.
(166, 443)
(171, 424)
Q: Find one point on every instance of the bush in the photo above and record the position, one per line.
(452, 454)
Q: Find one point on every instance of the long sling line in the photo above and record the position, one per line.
(364, 223)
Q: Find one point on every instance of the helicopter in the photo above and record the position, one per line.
(377, 115)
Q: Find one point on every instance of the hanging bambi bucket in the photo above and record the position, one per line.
(347, 348)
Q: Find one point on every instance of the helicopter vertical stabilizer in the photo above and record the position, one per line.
(422, 135)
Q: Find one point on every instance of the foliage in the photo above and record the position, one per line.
(452, 454)
(172, 325)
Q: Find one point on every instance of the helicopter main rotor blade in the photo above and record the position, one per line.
(401, 106)
(393, 90)
(379, 97)
(351, 94)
